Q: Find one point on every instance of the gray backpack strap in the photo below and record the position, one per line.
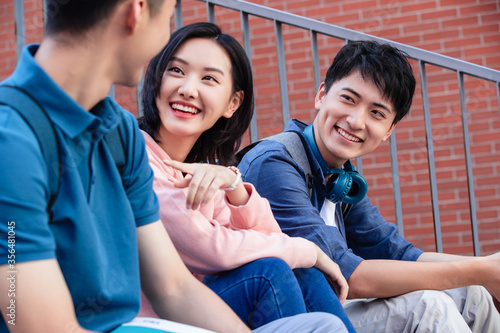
(296, 148)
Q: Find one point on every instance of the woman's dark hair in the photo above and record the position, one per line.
(79, 16)
(219, 143)
(383, 64)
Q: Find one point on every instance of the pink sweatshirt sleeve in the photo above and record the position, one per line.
(219, 236)
(256, 214)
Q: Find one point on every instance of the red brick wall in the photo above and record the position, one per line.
(468, 30)
(465, 29)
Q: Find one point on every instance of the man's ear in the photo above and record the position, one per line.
(389, 132)
(319, 96)
(234, 103)
(135, 14)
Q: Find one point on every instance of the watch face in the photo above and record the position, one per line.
(235, 169)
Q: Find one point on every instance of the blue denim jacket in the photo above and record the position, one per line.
(362, 233)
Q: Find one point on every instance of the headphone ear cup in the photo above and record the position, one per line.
(339, 186)
(357, 190)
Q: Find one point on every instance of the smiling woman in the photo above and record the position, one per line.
(194, 96)
(225, 135)
(196, 108)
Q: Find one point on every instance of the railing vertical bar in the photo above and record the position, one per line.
(178, 23)
(210, 12)
(178, 15)
(315, 59)
(468, 163)
(245, 30)
(140, 111)
(280, 49)
(359, 165)
(111, 92)
(348, 34)
(498, 95)
(428, 58)
(430, 158)
(395, 183)
(394, 167)
(20, 32)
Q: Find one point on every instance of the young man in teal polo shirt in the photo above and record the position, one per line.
(78, 264)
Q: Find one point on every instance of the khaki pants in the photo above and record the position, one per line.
(312, 322)
(467, 309)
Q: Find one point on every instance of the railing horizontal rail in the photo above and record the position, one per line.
(315, 28)
(423, 57)
(348, 34)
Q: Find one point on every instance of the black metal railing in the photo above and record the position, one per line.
(424, 59)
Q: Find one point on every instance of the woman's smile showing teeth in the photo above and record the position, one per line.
(347, 135)
(184, 108)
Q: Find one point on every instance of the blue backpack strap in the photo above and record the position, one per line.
(43, 128)
(116, 146)
(41, 125)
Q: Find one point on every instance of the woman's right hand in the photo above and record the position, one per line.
(205, 180)
(333, 274)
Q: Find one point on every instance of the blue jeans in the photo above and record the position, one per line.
(267, 289)
(319, 295)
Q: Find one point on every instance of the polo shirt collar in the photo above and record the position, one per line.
(64, 111)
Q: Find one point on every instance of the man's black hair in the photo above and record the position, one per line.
(383, 64)
(79, 16)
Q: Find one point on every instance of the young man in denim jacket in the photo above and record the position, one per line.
(368, 89)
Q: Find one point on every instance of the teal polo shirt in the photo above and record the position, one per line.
(93, 231)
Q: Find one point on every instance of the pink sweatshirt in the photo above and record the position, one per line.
(219, 236)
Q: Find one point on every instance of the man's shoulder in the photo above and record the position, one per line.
(286, 148)
(127, 122)
(120, 111)
(275, 157)
(14, 127)
(263, 149)
(286, 143)
(277, 143)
